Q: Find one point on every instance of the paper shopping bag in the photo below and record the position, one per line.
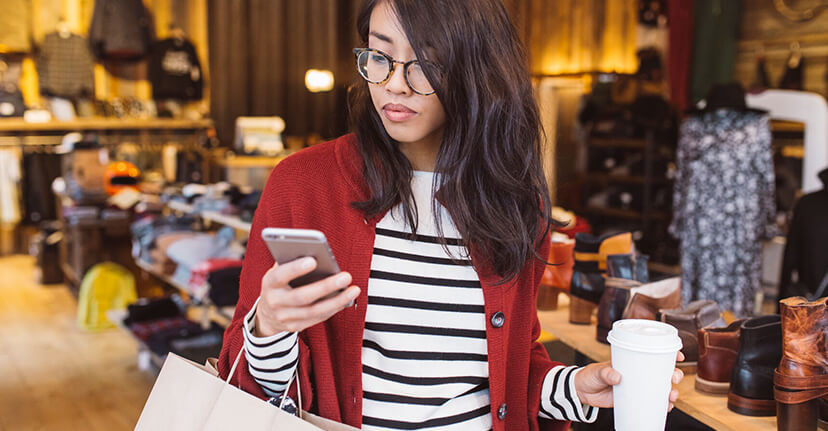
(188, 396)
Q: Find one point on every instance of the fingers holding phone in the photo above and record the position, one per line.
(306, 288)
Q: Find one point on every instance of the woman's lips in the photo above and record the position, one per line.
(398, 113)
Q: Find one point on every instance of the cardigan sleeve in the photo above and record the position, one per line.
(273, 210)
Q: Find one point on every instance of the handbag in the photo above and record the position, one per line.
(188, 396)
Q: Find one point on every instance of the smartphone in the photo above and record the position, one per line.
(290, 244)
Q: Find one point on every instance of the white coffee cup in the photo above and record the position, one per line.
(644, 353)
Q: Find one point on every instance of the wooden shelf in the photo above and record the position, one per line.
(227, 220)
(8, 125)
(629, 179)
(638, 144)
(620, 213)
(207, 313)
(711, 410)
(251, 161)
(156, 271)
(213, 216)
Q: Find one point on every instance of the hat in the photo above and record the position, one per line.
(726, 96)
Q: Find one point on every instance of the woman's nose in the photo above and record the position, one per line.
(396, 83)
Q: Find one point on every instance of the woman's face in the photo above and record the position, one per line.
(408, 117)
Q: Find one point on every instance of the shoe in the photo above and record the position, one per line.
(802, 376)
(718, 349)
(646, 300)
(613, 302)
(587, 283)
(687, 321)
(628, 266)
(556, 277)
(751, 381)
(624, 271)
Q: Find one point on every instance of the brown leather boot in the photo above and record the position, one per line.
(718, 349)
(802, 376)
(646, 300)
(612, 305)
(687, 321)
(557, 276)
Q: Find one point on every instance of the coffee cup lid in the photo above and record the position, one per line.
(644, 336)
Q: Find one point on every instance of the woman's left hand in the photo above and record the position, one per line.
(595, 381)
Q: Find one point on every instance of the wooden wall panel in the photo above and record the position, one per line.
(764, 30)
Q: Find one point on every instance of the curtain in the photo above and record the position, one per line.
(572, 36)
(681, 48)
(260, 51)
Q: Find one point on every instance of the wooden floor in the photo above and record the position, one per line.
(54, 375)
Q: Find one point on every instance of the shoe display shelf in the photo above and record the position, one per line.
(641, 182)
(710, 410)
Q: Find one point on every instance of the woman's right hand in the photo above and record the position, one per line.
(284, 308)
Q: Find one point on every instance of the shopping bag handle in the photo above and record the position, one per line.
(284, 395)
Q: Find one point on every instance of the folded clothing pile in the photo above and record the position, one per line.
(162, 326)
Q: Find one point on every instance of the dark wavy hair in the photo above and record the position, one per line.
(491, 177)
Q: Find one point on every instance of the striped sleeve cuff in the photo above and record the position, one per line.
(559, 400)
(272, 360)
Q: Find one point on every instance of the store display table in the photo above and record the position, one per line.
(710, 410)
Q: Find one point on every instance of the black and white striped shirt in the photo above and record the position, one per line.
(424, 353)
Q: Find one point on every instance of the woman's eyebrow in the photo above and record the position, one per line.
(382, 37)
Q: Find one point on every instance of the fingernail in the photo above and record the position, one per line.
(308, 263)
(353, 294)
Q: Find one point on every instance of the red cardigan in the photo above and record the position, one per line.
(313, 189)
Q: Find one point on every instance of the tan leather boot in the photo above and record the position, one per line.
(557, 276)
(647, 299)
(802, 376)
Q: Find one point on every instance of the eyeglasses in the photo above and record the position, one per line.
(376, 67)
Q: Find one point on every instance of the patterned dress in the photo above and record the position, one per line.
(724, 206)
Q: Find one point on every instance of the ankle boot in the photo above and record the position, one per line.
(613, 301)
(718, 349)
(688, 321)
(802, 376)
(751, 382)
(628, 266)
(646, 300)
(557, 276)
(624, 271)
(587, 277)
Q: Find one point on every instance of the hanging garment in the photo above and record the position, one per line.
(9, 186)
(806, 253)
(15, 30)
(39, 171)
(120, 30)
(11, 101)
(723, 205)
(716, 33)
(174, 70)
(65, 66)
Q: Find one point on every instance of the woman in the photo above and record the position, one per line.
(437, 212)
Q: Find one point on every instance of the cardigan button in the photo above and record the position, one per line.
(498, 319)
(501, 412)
